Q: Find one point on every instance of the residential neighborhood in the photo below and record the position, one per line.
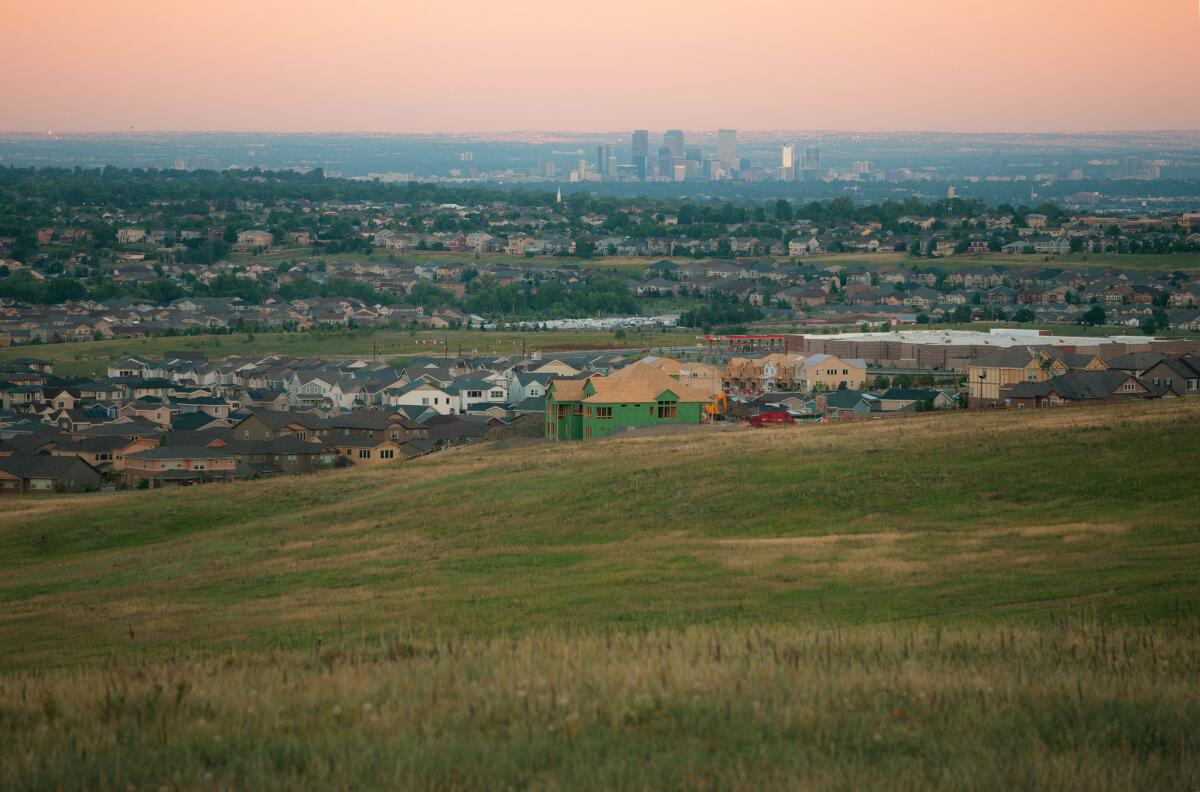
(224, 260)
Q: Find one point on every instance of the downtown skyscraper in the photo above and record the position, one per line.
(641, 152)
(727, 148)
(673, 140)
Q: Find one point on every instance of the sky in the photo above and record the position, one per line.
(420, 66)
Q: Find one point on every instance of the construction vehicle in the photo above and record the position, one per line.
(717, 409)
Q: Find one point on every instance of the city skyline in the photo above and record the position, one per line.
(378, 68)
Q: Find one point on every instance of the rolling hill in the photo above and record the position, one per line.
(971, 599)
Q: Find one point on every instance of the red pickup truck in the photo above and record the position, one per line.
(772, 419)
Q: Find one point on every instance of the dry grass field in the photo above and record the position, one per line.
(91, 358)
(967, 600)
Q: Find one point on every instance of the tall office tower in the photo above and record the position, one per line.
(812, 158)
(666, 163)
(693, 154)
(641, 152)
(727, 148)
(1134, 167)
(673, 140)
(787, 162)
(604, 153)
(860, 167)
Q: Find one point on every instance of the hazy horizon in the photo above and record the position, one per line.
(765, 132)
(470, 67)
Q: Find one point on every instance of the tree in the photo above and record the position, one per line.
(783, 210)
(1024, 315)
(585, 248)
(1094, 316)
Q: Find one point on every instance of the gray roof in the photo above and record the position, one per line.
(181, 452)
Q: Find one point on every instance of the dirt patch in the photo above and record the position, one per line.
(823, 540)
(826, 554)
(1075, 531)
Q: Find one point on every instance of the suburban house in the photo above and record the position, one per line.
(1078, 386)
(423, 394)
(372, 436)
(284, 455)
(988, 374)
(776, 371)
(633, 396)
(179, 465)
(830, 372)
(901, 399)
(696, 375)
(269, 425)
(24, 474)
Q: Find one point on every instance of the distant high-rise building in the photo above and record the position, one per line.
(673, 140)
(604, 156)
(641, 152)
(860, 167)
(812, 158)
(787, 162)
(712, 168)
(1133, 168)
(666, 163)
(727, 148)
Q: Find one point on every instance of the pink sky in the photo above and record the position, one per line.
(477, 65)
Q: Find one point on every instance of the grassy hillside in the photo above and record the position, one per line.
(968, 600)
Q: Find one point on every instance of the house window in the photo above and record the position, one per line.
(198, 466)
(496, 394)
(387, 453)
(667, 409)
(395, 434)
(292, 459)
(364, 453)
(604, 413)
(1129, 386)
(424, 400)
(474, 394)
